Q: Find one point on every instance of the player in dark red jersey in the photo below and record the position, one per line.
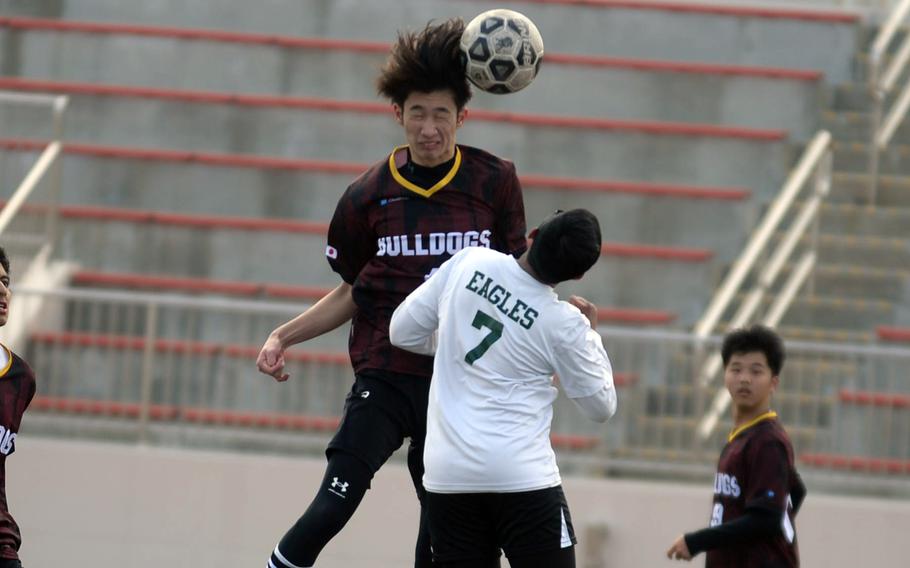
(395, 225)
(17, 387)
(757, 490)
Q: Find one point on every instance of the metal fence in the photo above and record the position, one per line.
(180, 369)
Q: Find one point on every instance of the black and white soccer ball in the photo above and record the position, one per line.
(502, 50)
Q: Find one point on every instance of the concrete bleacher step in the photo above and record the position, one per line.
(309, 190)
(862, 66)
(226, 248)
(856, 126)
(320, 183)
(854, 157)
(803, 39)
(854, 188)
(891, 284)
(860, 220)
(864, 250)
(619, 88)
(855, 97)
(331, 129)
(869, 32)
(838, 312)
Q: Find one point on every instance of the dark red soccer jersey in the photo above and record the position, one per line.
(388, 235)
(17, 387)
(756, 470)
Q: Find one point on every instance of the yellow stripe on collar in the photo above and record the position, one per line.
(9, 360)
(416, 188)
(737, 431)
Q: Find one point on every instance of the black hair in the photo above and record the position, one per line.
(4, 260)
(426, 61)
(757, 338)
(566, 246)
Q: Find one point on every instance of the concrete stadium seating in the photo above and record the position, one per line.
(582, 84)
(810, 40)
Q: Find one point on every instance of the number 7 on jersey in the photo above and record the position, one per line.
(482, 320)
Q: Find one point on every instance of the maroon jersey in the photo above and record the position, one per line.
(17, 387)
(388, 235)
(756, 470)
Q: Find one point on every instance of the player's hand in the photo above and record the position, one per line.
(271, 359)
(679, 550)
(587, 308)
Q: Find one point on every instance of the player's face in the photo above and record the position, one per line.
(430, 121)
(750, 382)
(5, 296)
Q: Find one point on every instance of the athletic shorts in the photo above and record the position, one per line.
(382, 410)
(475, 526)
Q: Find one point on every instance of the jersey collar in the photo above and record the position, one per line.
(737, 431)
(9, 361)
(426, 192)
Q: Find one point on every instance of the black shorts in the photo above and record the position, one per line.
(382, 410)
(475, 526)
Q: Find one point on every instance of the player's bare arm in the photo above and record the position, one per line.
(678, 550)
(332, 310)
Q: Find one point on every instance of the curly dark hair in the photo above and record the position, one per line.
(4, 260)
(426, 61)
(757, 338)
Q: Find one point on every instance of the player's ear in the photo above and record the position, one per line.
(459, 118)
(775, 381)
(398, 112)
(533, 234)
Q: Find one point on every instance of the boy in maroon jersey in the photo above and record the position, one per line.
(395, 225)
(17, 387)
(757, 490)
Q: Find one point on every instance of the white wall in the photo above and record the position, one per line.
(109, 506)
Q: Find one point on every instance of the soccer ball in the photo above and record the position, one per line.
(501, 50)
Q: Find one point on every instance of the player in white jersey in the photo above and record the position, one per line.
(500, 333)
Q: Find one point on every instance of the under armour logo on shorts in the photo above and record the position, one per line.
(365, 394)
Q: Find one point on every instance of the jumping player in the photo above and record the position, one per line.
(393, 227)
(757, 490)
(491, 476)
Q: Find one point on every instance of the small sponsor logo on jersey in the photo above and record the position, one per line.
(339, 486)
(331, 252)
(433, 244)
(726, 485)
(365, 394)
(384, 202)
(7, 441)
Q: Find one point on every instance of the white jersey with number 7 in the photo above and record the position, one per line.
(499, 336)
